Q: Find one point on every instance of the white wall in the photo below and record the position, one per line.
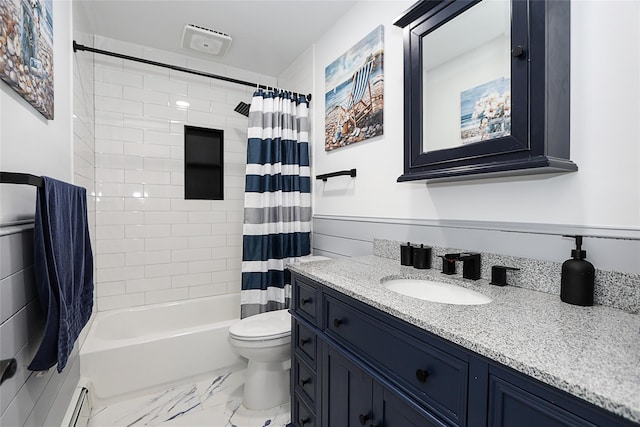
(605, 136)
(152, 245)
(30, 143)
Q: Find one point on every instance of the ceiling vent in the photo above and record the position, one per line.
(205, 40)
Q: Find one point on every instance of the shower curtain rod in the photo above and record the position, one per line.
(77, 46)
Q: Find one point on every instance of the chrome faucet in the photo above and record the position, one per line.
(470, 264)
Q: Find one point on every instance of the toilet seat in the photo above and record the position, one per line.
(264, 326)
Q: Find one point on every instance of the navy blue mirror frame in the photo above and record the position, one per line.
(540, 88)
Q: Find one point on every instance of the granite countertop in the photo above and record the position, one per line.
(590, 352)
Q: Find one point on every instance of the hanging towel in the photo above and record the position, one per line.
(63, 263)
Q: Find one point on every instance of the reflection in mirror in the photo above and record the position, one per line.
(466, 77)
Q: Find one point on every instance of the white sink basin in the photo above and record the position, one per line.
(436, 291)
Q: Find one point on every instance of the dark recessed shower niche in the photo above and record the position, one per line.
(203, 163)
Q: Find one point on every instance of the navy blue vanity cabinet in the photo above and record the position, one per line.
(354, 365)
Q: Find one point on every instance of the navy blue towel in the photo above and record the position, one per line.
(63, 263)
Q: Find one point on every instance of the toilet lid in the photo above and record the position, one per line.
(269, 325)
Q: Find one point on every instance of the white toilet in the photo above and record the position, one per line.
(264, 339)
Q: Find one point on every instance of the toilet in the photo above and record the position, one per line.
(265, 340)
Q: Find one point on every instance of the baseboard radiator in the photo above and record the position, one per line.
(82, 411)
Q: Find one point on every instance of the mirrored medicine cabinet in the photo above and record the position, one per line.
(486, 88)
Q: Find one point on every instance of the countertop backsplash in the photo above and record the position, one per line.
(612, 288)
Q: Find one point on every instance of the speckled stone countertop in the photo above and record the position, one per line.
(590, 352)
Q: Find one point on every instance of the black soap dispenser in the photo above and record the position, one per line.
(576, 283)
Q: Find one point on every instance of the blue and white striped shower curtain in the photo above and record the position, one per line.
(277, 203)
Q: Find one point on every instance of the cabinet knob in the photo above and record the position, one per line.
(305, 421)
(517, 52)
(337, 322)
(305, 341)
(364, 418)
(422, 375)
(305, 301)
(305, 381)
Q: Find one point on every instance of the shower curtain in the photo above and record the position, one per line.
(277, 203)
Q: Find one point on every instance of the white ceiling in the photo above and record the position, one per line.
(267, 35)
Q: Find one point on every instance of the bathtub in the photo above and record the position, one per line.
(128, 351)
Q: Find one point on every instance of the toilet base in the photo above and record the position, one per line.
(266, 385)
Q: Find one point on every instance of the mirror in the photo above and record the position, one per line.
(467, 77)
(486, 88)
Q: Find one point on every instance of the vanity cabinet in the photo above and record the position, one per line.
(353, 369)
(354, 365)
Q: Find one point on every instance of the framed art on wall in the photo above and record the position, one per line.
(354, 85)
(26, 51)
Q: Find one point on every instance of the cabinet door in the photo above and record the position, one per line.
(353, 398)
(511, 406)
(393, 411)
(347, 392)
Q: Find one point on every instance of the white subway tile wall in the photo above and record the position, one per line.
(84, 138)
(151, 245)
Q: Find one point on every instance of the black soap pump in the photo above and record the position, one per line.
(576, 283)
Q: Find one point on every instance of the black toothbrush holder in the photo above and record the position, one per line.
(422, 257)
(406, 254)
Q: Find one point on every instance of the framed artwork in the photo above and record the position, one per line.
(485, 111)
(26, 51)
(354, 93)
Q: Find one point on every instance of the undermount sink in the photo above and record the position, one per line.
(436, 291)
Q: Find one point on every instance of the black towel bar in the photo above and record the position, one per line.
(20, 178)
(351, 173)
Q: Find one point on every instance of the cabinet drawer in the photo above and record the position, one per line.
(305, 342)
(437, 379)
(306, 301)
(305, 380)
(302, 415)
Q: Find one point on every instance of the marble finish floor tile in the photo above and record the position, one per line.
(214, 402)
